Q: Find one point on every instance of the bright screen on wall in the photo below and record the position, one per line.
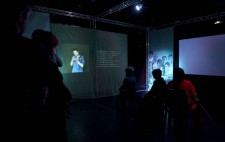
(93, 60)
(160, 55)
(203, 55)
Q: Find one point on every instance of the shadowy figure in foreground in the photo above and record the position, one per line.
(58, 95)
(23, 81)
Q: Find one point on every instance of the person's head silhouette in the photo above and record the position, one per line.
(157, 73)
(19, 15)
(179, 74)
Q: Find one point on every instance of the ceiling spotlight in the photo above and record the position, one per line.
(138, 7)
(218, 22)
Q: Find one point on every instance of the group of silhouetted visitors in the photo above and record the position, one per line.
(175, 101)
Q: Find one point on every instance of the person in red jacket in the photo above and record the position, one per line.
(186, 108)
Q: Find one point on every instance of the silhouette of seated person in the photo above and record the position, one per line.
(128, 88)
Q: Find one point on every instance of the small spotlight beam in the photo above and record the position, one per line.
(138, 7)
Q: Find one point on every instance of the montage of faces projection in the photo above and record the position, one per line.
(164, 63)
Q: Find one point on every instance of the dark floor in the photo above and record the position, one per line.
(100, 120)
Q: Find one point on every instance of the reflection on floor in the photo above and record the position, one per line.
(100, 120)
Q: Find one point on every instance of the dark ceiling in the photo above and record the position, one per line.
(154, 12)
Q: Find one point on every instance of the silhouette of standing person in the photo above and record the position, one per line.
(184, 106)
(128, 88)
(23, 83)
(154, 101)
(58, 95)
(150, 115)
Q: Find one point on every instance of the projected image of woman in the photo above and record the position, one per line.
(77, 62)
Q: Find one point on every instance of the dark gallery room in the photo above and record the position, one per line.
(115, 71)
